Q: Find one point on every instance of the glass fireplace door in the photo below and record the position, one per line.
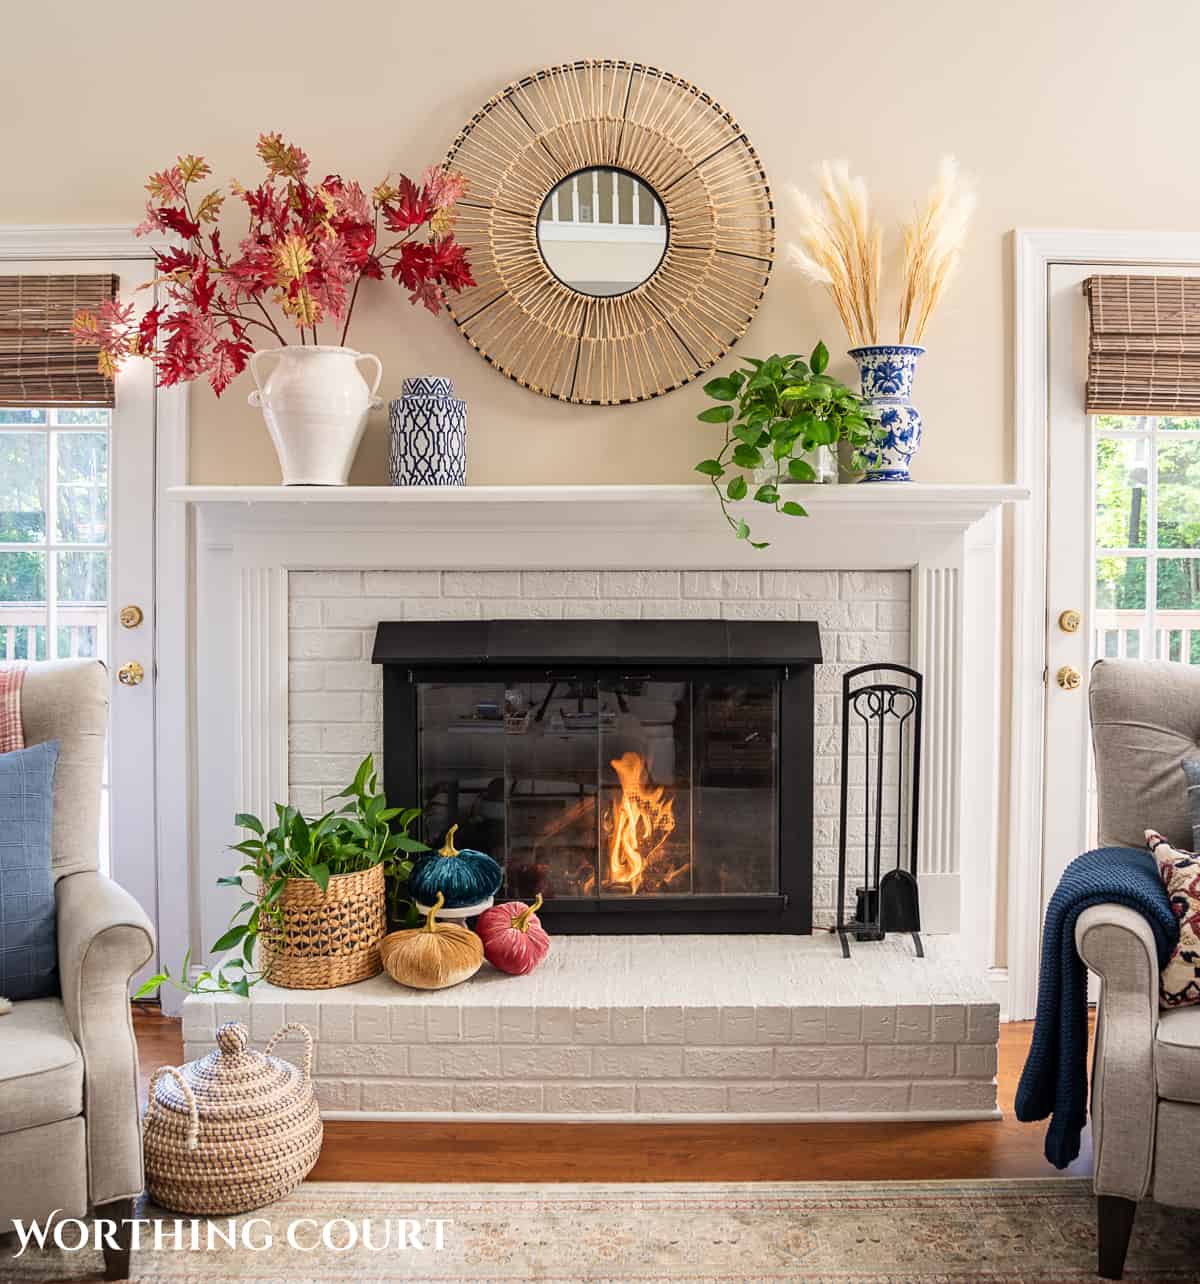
(599, 790)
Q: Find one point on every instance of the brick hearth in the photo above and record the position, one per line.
(652, 1028)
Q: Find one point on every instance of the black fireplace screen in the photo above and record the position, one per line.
(659, 796)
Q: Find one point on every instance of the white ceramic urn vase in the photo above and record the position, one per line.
(315, 401)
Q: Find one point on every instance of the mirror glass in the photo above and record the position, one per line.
(602, 231)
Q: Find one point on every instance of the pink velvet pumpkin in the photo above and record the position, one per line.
(513, 939)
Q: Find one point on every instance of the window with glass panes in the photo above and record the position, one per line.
(55, 541)
(1146, 487)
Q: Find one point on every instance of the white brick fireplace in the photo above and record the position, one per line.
(335, 700)
(289, 586)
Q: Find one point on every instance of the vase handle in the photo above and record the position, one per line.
(370, 356)
(260, 391)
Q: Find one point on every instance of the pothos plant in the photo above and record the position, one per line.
(362, 833)
(774, 412)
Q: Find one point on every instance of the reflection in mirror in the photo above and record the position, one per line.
(602, 231)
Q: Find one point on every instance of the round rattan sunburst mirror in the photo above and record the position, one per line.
(620, 230)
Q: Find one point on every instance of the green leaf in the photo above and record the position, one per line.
(766, 493)
(743, 530)
(762, 544)
(243, 820)
(753, 363)
(241, 986)
(782, 448)
(736, 488)
(820, 358)
(407, 844)
(320, 875)
(747, 457)
(229, 880)
(716, 415)
(797, 392)
(723, 389)
(801, 470)
(747, 432)
(152, 984)
(710, 468)
(821, 433)
(793, 509)
(230, 939)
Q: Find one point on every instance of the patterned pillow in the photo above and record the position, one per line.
(1180, 873)
(28, 944)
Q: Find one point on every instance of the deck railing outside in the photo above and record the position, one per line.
(1122, 635)
(23, 630)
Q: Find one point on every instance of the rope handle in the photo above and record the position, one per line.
(193, 1133)
(308, 1043)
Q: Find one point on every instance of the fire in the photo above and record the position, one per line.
(641, 821)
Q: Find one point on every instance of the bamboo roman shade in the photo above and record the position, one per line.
(40, 364)
(1144, 345)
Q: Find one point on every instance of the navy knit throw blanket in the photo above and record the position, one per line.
(1054, 1081)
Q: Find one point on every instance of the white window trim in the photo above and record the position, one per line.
(172, 585)
(1035, 252)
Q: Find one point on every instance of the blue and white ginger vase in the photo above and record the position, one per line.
(428, 444)
(886, 371)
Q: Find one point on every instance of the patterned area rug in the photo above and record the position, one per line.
(866, 1232)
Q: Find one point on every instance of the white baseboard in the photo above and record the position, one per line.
(998, 979)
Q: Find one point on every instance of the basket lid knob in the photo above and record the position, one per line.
(232, 1038)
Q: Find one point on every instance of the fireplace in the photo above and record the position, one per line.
(641, 776)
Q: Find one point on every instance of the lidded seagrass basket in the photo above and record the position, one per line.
(233, 1130)
(323, 939)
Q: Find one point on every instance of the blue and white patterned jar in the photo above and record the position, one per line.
(886, 371)
(428, 434)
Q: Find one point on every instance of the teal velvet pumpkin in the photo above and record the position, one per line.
(463, 877)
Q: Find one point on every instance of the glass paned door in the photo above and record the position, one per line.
(1146, 498)
(1123, 570)
(55, 539)
(77, 545)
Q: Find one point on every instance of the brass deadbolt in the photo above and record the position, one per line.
(130, 674)
(1069, 621)
(1068, 677)
(131, 616)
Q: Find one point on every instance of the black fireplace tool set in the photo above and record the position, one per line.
(883, 702)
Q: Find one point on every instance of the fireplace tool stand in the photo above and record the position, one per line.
(887, 713)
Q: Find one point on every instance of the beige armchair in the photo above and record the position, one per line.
(1146, 1071)
(69, 1129)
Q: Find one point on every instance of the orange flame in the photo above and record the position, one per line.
(642, 819)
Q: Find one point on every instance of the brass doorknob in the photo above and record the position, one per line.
(131, 616)
(130, 674)
(1068, 677)
(1069, 621)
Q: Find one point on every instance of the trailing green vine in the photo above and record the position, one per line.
(774, 412)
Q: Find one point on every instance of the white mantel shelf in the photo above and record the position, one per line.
(851, 527)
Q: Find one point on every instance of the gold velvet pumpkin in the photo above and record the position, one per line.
(434, 956)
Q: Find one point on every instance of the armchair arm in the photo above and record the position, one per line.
(104, 937)
(1117, 943)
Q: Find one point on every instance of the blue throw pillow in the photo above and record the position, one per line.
(28, 940)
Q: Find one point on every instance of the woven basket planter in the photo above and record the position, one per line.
(329, 938)
(233, 1130)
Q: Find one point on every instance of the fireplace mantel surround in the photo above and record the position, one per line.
(249, 539)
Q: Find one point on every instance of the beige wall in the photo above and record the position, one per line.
(1067, 112)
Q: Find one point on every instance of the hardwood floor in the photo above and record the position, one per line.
(418, 1152)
